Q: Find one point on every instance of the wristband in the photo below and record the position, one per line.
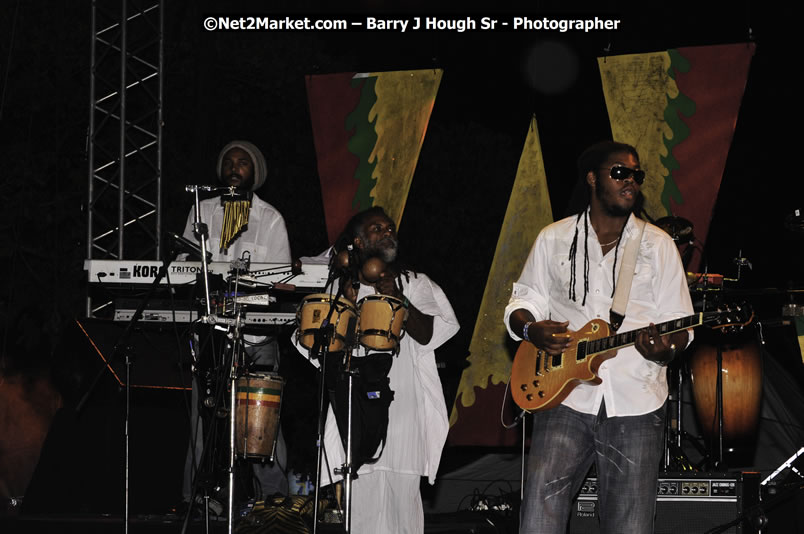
(525, 331)
(406, 303)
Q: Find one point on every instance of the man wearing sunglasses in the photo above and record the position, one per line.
(569, 279)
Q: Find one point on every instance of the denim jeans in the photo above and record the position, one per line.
(627, 452)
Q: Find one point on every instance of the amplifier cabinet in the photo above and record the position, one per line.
(686, 503)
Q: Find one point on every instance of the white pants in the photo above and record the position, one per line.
(384, 502)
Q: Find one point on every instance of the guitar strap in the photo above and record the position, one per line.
(625, 276)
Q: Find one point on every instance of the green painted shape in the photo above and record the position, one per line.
(680, 105)
(363, 141)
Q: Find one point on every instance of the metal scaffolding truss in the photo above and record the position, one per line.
(125, 130)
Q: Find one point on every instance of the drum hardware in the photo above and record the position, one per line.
(679, 228)
(741, 262)
(792, 310)
(327, 323)
(704, 280)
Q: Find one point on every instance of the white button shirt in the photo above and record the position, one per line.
(631, 384)
(266, 237)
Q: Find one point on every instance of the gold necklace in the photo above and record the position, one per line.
(610, 243)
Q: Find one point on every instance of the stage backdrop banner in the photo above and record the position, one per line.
(679, 109)
(475, 418)
(368, 130)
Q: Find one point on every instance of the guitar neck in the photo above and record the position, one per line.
(625, 339)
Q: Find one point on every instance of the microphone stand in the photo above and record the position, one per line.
(201, 230)
(320, 350)
(346, 469)
(121, 346)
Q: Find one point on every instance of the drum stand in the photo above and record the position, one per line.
(675, 459)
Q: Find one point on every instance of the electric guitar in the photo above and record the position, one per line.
(540, 381)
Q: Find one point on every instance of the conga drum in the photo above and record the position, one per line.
(258, 402)
(741, 383)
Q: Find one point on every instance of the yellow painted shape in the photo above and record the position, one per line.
(636, 88)
(405, 101)
(528, 211)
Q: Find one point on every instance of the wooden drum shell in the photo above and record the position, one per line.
(741, 383)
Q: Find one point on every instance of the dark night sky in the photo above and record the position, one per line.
(220, 86)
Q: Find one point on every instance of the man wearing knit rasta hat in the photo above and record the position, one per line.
(241, 165)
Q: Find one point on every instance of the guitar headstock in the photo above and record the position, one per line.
(729, 317)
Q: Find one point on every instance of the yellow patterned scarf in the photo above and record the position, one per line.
(235, 217)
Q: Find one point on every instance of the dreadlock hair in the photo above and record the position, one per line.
(354, 229)
(590, 161)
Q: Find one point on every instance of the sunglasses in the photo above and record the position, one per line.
(619, 172)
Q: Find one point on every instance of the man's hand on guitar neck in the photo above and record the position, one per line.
(657, 348)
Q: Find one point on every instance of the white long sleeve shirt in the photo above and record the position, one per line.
(266, 237)
(631, 385)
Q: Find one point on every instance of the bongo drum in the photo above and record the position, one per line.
(312, 312)
(381, 322)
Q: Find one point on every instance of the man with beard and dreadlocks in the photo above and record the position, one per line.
(242, 223)
(569, 279)
(386, 496)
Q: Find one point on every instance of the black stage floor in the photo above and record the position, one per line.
(462, 522)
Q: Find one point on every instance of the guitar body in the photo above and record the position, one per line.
(540, 381)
